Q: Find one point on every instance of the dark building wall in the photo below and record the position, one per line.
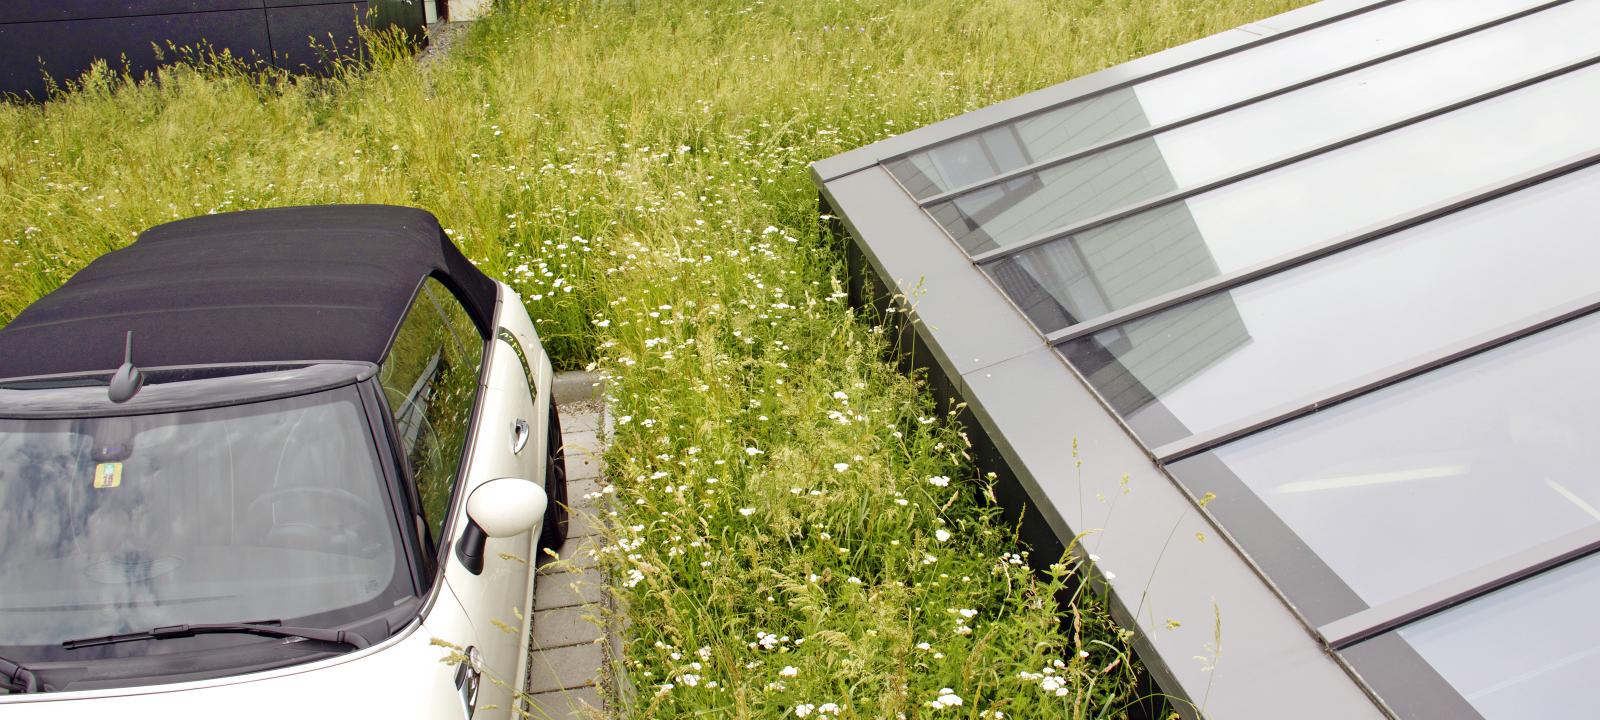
(62, 38)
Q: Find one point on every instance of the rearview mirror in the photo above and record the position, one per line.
(503, 507)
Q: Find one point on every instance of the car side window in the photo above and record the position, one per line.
(430, 379)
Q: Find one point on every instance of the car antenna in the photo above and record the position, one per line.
(126, 383)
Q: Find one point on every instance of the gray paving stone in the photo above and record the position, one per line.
(581, 442)
(576, 387)
(582, 703)
(583, 466)
(580, 417)
(564, 626)
(565, 668)
(578, 488)
(577, 554)
(582, 521)
(564, 656)
(567, 589)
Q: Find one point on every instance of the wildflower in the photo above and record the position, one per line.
(751, 451)
(841, 467)
(947, 699)
(789, 671)
(944, 535)
(690, 679)
(939, 481)
(747, 511)
(803, 709)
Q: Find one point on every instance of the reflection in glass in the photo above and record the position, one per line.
(271, 510)
(1290, 337)
(978, 157)
(1208, 86)
(1531, 650)
(1436, 476)
(1327, 197)
(430, 380)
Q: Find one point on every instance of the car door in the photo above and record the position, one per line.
(464, 414)
(508, 442)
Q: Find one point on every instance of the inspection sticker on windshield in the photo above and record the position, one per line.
(107, 475)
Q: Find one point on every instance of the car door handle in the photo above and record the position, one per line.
(519, 436)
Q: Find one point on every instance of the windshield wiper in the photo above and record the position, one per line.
(18, 678)
(267, 628)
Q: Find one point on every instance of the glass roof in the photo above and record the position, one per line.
(1346, 279)
(1527, 651)
(1501, 440)
(1207, 87)
(1051, 200)
(1226, 357)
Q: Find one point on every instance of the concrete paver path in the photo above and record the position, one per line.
(569, 646)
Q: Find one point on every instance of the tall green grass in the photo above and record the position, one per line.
(638, 171)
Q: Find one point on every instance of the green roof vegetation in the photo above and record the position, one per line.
(796, 531)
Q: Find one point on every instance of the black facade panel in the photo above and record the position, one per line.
(307, 38)
(17, 11)
(65, 49)
(63, 38)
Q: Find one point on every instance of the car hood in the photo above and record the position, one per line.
(402, 677)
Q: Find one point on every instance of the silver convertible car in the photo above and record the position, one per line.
(256, 464)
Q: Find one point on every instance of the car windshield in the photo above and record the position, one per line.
(272, 510)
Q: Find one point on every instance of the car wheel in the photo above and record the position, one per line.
(555, 488)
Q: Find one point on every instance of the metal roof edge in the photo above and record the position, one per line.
(1039, 413)
(1088, 478)
(941, 286)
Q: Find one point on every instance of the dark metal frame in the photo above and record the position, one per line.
(1370, 623)
(1193, 190)
(1289, 261)
(1108, 80)
(1373, 382)
(1175, 124)
(1263, 40)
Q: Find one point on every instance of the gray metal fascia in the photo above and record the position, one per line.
(976, 325)
(1126, 73)
(1146, 533)
(1032, 406)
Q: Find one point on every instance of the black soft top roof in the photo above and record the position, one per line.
(327, 282)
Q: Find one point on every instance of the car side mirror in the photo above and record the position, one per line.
(503, 507)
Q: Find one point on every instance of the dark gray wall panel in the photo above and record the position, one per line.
(44, 10)
(64, 37)
(65, 49)
(304, 37)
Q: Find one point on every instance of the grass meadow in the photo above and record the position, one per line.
(795, 532)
